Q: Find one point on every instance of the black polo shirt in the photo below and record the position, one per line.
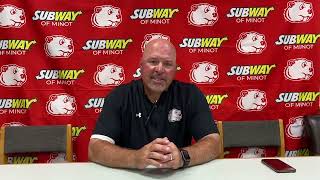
(130, 119)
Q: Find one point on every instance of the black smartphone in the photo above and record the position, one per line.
(278, 166)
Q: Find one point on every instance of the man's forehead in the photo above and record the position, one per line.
(163, 58)
(159, 55)
(159, 45)
(159, 49)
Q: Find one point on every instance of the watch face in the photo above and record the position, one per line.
(185, 157)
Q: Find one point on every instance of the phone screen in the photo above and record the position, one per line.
(278, 166)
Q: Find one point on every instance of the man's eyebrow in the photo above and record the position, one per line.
(152, 58)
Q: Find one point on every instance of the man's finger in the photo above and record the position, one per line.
(157, 156)
(155, 163)
(164, 149)
(163, 141)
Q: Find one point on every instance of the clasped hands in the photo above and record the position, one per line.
(160, 153)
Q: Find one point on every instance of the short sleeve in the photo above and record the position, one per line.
(108, 124)
(201, 120)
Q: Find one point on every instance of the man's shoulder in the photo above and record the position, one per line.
(185, 92)
(121, 94)
(127, 87)
(184, 89)
(184, 86)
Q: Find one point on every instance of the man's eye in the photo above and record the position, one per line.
(153, 62)
(168, 65)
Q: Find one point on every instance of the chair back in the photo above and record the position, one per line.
(312, 127)
(23, 139)
(252, 134)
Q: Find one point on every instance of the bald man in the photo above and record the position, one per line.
(150, 122)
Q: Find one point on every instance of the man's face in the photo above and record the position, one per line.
(158, 66)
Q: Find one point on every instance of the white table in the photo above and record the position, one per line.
(221, 169)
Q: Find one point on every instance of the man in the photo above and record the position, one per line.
(150, 122)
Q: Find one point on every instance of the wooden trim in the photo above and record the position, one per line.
(281, 151)
(69, 152)
(220, 128)
(3, 157)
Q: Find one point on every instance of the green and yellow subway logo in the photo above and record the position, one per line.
(22, 159)
(251, 72)
(62, 74)
(214, 100)
(203, 45)
(244, 12)
(154, 15)
(297, 41)
(16, 103)
(77, 130)
(298, 99)
(15, 46)
(15, 106)
(56, 18)
(107, 46)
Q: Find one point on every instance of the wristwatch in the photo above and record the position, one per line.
(185, 158)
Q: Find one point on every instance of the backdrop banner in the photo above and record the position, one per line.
(253, 60)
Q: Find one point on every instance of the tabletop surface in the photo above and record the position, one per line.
(220, 169)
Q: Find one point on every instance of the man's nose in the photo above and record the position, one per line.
(159, 67)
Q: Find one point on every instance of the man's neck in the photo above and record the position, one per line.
(152, 96)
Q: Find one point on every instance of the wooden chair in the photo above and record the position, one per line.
(252, 134)
(23, 139)
(312, 127)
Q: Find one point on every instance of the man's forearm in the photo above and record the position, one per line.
(111, 155)
(206, 149)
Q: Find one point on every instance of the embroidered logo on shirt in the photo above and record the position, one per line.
(138, 115)
(174, 115)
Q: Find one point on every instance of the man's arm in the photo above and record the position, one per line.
(204, 150)
(203, 130)
(108, 154)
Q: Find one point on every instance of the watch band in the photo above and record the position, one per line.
(185, 158)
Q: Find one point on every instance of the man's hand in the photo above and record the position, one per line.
(155, 153)
(175, 161)
(160, 153)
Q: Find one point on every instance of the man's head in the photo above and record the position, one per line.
(158, 66)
